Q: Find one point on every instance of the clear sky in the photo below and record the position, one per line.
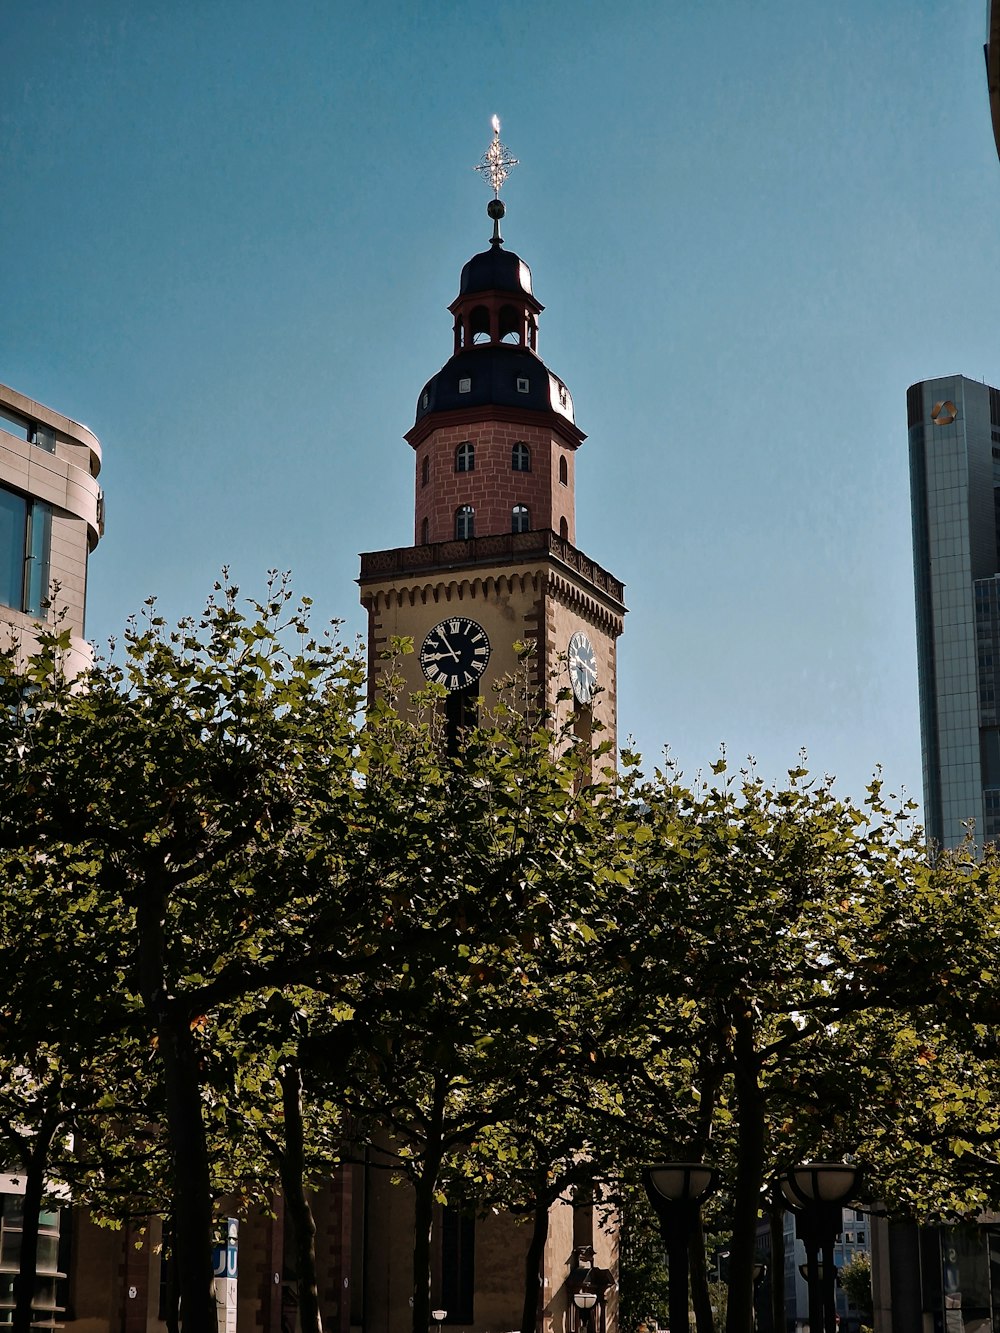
(231, 228)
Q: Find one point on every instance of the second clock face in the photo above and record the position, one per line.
(455, 653)
(582, 661)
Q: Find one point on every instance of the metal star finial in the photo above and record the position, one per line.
(497, 162)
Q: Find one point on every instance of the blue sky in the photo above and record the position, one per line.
(231, 230)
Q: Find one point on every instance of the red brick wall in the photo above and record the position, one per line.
(493, 488)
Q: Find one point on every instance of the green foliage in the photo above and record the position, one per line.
(856, 1280)
(509, 979)
(643, 1280)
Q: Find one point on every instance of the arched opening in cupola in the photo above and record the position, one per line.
(479, 324)
(511, 324)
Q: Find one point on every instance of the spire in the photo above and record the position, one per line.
(496, 165)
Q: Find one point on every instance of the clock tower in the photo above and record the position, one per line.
(494, 560)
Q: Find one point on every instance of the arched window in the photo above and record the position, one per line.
(520, 457)
(479, 323)
(465, 523)
(532, 333)
(564, 529)
(425, 470)
(510, 324)
(424, 532)
(465, 457)
(459, 332)
(564, 471)
(520, 519)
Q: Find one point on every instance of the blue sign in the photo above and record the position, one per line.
(225, 1255)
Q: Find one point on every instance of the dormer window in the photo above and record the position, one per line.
(465, 385)
(465, 523)
(520, 457)
(522, 384)
(465, 457)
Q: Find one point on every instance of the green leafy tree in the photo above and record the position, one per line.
(749, 941)
(195, 791)
(856, 1280)
(489, 852)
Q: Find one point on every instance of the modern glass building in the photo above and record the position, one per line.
(954, 441)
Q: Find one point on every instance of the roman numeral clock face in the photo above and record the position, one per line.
(455, 653)
(582, 662)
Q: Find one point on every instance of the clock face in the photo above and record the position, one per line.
(582, 662)
(454, 653)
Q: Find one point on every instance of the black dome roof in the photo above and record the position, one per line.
(495, 374)
(495, 270)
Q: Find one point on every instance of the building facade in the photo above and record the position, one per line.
(954, 444)
(494, 561)
(51, 518)
(493, 587)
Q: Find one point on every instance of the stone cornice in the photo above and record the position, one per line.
(443, 570)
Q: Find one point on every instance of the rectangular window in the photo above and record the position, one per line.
(14, 424)
(45, 438)
(23, 429)
(25, 542)
(36, 583)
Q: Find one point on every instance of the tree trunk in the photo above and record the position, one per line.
(425, 1189)
(34, 1192)
(777, 1216)
(191, 1202)
(191, 1206)
(534, 1258)
(293, 1167)
(172, 1313)
(701, 1297)
(749, 1173)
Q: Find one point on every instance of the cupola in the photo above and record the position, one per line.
(495, 361)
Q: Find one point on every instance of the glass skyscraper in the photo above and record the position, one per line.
(954, 440)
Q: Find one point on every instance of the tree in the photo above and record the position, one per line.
(754, 940)
(196, 791)
(856, 1281)
(488, 851)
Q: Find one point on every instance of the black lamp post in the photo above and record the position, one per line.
(585, 1301)
(817, 1192)
(676, 1189)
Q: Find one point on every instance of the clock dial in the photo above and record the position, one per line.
(455, 653)
(582, 662)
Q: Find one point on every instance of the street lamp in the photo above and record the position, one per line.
(439, 1316)
(676, 1189)
(817, 1192)
(585, 1302)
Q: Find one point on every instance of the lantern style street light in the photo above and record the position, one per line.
(817, 1192)
(585, 1302)
(676, 1190)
